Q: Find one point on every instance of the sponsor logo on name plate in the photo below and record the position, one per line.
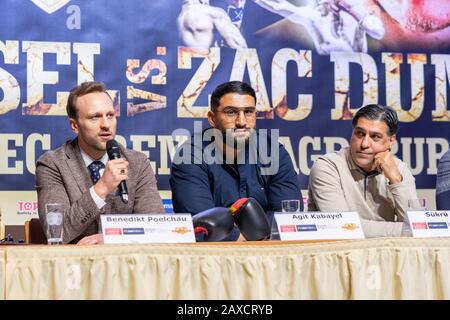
(113, 231)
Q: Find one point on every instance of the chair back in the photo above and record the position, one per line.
(34, 234)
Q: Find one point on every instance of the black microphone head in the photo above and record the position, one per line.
(251, 219)
(112, 148)
(216, 223)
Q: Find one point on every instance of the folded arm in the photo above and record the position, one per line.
(326, 194)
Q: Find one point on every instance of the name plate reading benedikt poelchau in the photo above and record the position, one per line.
(429, 224)
(147, 228)
(319, 225)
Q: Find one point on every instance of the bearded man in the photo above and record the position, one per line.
(238, 162)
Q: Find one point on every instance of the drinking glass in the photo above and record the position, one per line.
(287, 206)
(419, 204)
(290, 205)
(55, 222)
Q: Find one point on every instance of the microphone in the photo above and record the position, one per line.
(112, 148)
(251, 219)
(214, 224)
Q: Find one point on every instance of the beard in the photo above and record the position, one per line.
(237, 141)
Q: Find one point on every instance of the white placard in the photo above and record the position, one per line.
(429, 224)
(147, 228)
(319, 225)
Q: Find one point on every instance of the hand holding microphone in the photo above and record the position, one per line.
(112, 148)
(115, 174)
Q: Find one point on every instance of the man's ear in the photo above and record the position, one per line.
(392, 140)
(211, 119)
(73, 125)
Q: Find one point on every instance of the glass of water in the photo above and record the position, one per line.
(55, 222)
(287, 206)
(419, 204)
(290, 205)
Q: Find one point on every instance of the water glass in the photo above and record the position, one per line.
(419, 204)
(287, 206)
(55, 222)
(290, 205)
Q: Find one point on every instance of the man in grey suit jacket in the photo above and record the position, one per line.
(62, 175)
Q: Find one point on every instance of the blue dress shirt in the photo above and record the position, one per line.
(200, 186)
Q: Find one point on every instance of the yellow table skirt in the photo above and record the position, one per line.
(383, 268)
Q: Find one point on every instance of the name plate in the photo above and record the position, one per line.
(147, 228)
(429, 224)
(319, 225)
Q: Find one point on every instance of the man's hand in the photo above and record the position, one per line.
(115, 171)
(90, 240)
(384, 163)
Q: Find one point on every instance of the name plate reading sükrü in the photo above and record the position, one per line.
(429, 224)
(319, 225)
(147, 228)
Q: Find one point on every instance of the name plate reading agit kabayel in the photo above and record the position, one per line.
(147, 228)
(319, 225)
(429, 224)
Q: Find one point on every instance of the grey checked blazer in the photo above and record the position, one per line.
(61, 176)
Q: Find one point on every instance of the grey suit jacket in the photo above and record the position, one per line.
(61, 176)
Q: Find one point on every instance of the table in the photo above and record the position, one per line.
(383, 268)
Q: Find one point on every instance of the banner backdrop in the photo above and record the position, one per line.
(313, 64)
